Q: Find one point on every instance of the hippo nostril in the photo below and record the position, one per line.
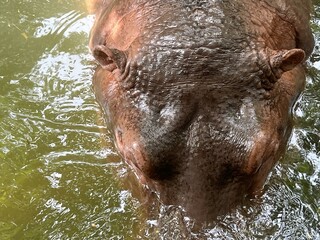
(104, 57)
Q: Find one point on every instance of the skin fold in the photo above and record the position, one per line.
(199, 94)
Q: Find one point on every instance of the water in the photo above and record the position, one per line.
(60, 176)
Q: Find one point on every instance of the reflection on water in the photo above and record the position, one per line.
(60, 177)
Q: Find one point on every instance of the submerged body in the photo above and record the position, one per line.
(199, 94)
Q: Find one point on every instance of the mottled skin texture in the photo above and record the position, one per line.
(199, 94)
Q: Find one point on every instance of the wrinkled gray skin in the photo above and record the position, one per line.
(199, 94)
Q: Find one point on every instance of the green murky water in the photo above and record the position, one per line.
(60, 177)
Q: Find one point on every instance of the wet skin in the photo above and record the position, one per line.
(199, 94)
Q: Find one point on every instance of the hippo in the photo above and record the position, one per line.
(199, 93)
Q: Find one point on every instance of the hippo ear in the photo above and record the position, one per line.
(286, 60)
(110, 59)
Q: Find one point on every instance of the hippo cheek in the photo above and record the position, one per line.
(127, 143)
(268, 148)
(275, 130)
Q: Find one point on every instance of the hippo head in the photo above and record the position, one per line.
(198, 93)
